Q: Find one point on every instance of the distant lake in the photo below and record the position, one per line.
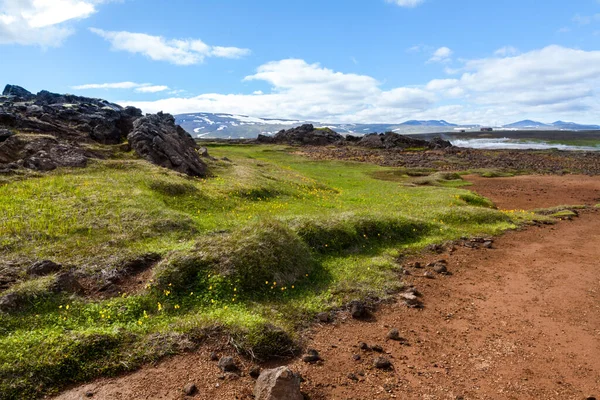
(517, 144)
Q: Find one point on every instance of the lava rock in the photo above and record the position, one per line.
(17, 91)
(440, 268)
(214, 356)
(358, 310)
(227, 364)
(382, 363)
(306, 134)
(190, 389)
(411, 300)
(43, 268)
(254, 372)
(67, 282)
(352, 377)
(323, 317)
(394, 334)
(157, 139)
(5, 134)
(312, 356)
(278, 384)
(377, 348)
(429, 275)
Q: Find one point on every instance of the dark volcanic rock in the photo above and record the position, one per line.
(42, 268)
(66, 116)
(227, 364)
(307, 134)
(358, 310)
(17, 91)
(5, 134)
(157, 139)
(392, 140)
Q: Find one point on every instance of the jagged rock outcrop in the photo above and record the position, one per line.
(392, 140)
(309, 135)
(55, 130)
(66, 116)
(157, 139)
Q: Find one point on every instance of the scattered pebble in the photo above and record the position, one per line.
(254, 372)
(227, 364)
(311, 356)
(190, 389)
(382, 363)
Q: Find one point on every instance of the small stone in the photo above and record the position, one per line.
(394, 334)
(230, 376)
(254, 372)
(356, 357)
(227, 364)
(377, 348)
(323, 317)
(353, 377)
(311, 356)
(89, 393)
(382, 363)
(429, 275)
(358, 309)
(406, 272)
(363, 346)
(190, 389)
(278, 384)
(417, 265)
(214, 356)
(440, 268)
(411, 300)
(488, 245)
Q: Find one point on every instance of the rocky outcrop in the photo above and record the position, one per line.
(309, 135)
(55, 130)
(157, 139)
(278, 384)
(392, 140)
(66, 116)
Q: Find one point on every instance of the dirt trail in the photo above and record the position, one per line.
(518, 321)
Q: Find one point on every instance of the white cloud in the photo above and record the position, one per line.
(585, 19)
(41, 22)
(406, 3)
(174, 51)
(138, 87)
(546, 84)
(152, 89)
(442, 54)
(506, 51)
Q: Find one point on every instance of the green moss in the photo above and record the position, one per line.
(253, 252)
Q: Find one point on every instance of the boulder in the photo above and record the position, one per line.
(5, 134)
(157, 139)
(17, 91)
(278, 384)
(307, 134)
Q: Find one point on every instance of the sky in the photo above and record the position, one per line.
(338, 61)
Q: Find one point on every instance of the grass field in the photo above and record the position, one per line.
(253, 252)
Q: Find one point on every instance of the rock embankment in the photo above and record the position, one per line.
(47, 130)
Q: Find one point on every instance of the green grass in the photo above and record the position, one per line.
(254, 251)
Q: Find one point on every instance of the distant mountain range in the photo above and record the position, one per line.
(229, 126)
(560, 125)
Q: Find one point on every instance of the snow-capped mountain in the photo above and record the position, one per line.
(229, 126)
(559, 125)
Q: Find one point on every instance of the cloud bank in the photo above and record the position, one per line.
(554, 82)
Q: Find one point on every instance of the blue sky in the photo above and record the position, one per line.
(466, 61)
